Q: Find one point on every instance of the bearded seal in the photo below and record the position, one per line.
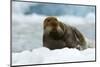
(57, 35)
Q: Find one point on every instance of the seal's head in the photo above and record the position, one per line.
(53, 28)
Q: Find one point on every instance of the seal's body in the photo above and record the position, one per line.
(58, 35)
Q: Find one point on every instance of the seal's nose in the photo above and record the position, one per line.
(54, 24)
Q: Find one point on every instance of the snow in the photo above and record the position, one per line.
(43, 55)
(27, 32)
(28, 29)
(90, 18)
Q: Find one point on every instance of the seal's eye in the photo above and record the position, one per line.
(48, 20)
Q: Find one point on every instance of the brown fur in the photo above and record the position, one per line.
(58, 35)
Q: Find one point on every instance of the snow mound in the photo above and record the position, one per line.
(44, 55)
